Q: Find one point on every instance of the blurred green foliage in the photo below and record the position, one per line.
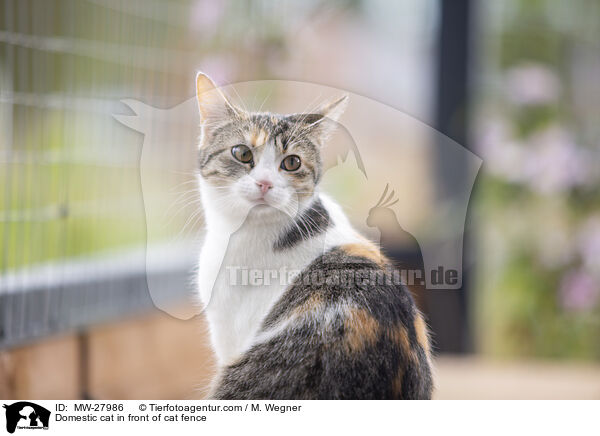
(538, 287)
(56, 211)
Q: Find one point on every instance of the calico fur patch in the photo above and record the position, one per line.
(361, 340)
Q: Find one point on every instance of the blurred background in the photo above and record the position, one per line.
(515, 82)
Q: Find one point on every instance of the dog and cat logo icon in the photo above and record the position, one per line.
(26, 415)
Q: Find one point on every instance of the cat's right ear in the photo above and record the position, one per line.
(212, 103)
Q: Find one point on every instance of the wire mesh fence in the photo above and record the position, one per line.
(72, 230)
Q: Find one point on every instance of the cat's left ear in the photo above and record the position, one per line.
(324, 121)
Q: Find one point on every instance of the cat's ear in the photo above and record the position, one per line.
(212, 103)
(334, 109)
(324, 121)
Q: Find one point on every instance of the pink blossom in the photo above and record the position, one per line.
(578, 291)
(556, 163)
(532, 83)
(549, 161)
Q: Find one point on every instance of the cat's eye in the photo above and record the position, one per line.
(290, 163)
(242, 153)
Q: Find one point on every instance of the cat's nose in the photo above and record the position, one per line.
(264, 186)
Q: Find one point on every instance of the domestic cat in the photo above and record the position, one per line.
(299, 305)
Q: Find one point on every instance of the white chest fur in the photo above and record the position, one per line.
(252, 276)
(250, 280)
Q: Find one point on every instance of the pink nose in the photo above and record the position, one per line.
(264, 186)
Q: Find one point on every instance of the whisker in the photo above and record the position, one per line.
(265, 100)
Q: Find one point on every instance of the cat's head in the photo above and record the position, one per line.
(262, 162)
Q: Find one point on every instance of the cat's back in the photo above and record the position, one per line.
(345, 329)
